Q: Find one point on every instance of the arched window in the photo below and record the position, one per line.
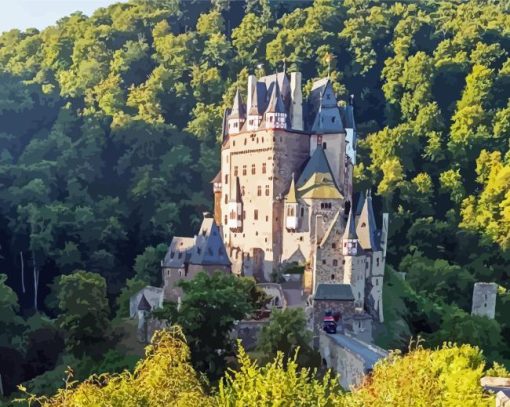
(244, 169)
(235, 171)
(259, 190)
(263, 168)
(267, 190)
(253, 169)
(242, 190)
(256, 214)
(226, 198)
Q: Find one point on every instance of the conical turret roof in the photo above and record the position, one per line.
(292, 195)
(350, 228)
(237, 107)
(275, 103)
(366, 227)
(254, 109)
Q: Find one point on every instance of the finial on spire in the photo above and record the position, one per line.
(329, 57)
(284, 65)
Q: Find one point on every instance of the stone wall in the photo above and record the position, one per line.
(248, 331)
(348, 365)
(345, 308)
(350, 357)
(484, 299)
(281, 153)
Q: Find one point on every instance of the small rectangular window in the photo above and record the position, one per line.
(256, 214)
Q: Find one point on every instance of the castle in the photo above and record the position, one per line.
(284, 195)
(284, 192)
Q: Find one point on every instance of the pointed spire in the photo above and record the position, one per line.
(292, 195)
(237, 196)
(361, 202)
(350, 228)
(366, 227)
(237, 107)
(254, 109)
(275, 103)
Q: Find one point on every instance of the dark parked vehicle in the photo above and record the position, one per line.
(329, 323)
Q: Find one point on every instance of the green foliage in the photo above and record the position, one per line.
(148, 263)
(110, 125)
(10, 323)
(133, 285)
(286, 333)
(447, 376)
(279, 382)
(210, 307)
(84, 311)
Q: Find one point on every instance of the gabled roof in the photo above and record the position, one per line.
(292, 195)
(209, 248)
(350, 228)
(144, 305)
(179, 252)
(238, 110)
(320, 186)
(334, 292)
(297, 257)
(325, 114)
(318, 163)
(366, 228)
(206, 248)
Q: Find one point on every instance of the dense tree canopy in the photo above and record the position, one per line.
(109, 128)
(448, 376)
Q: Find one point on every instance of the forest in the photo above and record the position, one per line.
(109, 137)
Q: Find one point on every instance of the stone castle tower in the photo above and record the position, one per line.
(284, 192)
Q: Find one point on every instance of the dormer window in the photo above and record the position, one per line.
(363, 224)
(172, 254)
(179, 255)
(324, 145)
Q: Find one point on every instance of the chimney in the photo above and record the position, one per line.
(296, 108)
(252, 82)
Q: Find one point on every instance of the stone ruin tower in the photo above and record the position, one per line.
(484, 300)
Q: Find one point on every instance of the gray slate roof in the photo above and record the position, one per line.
(317, 163)
(334, 292)
(350, 227)
(238, 109)
(206, 248)
(144, 305)
(366, 227)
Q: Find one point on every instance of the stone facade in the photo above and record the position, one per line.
(186, 257)
(286, 189)
(484, 300)
(345, 308)
(350, 357)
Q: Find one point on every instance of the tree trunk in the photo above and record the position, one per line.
(22, 272)
(36, 281)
